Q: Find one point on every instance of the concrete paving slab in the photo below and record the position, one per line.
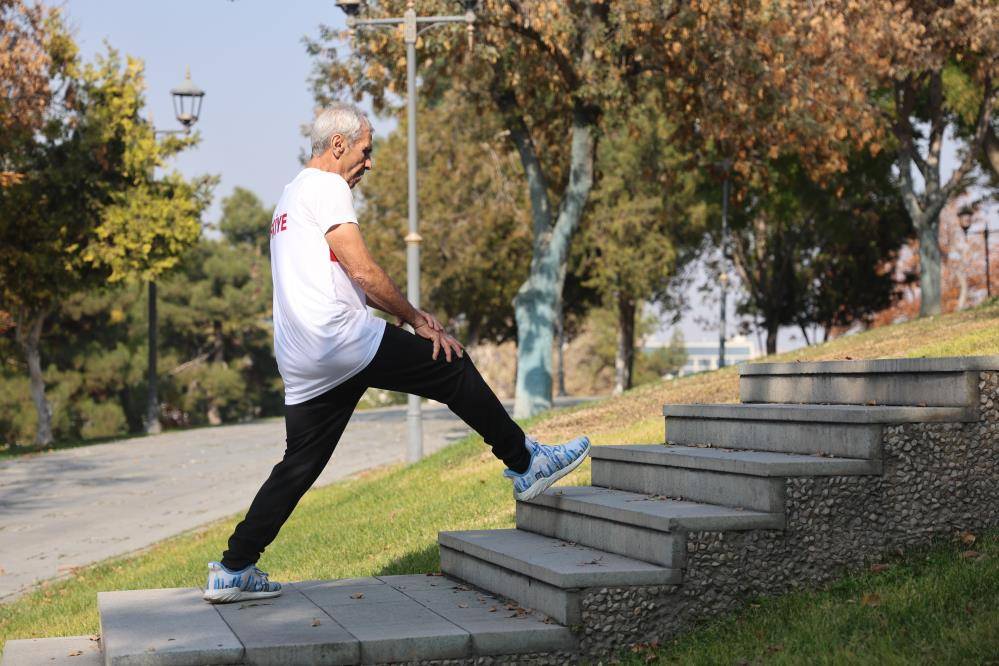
(881, 365)
(755, 493)
(343, 582)
(167, 627)
(400, 630)
(754, 463)
(64, 651)
(496, 627)
(556, 562)
(640, 543)
(850, 440)
(561, 605)
(823, 413)
(328, 593)
(655, 511)
(939, 389)
(287, 630)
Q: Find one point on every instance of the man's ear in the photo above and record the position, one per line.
(338, 145)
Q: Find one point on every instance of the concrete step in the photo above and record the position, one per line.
(361, 620)
(750, 479)
(63, 651)
(644, 527)
(541, 572)
(907, 381)
(851, 431)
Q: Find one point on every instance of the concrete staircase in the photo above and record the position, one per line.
(822, 467)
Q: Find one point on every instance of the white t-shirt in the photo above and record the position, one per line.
(323, 331)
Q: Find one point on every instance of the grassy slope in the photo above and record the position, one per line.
(386, 521)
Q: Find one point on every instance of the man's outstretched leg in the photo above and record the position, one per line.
(313, 427)
(404, 362)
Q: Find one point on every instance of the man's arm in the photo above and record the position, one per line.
(351, 251)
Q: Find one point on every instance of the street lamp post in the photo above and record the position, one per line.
(723, 278)
(965, 218)
(187, 99)
(411, 31)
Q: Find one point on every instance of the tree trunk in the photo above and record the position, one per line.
(624, 361)
(536, 300)
(929, 267)
(772, 330)
(992, 150)
(29, 333)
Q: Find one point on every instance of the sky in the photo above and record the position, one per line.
(249, 57)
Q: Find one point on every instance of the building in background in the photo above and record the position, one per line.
(703, 355)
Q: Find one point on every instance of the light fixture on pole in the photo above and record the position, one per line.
(413, 27)
(187, 99)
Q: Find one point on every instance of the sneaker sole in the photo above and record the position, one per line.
(232, 594)
(541, 485)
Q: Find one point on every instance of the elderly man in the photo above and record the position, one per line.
(330, 348)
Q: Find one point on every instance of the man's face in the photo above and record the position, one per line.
(357, 158)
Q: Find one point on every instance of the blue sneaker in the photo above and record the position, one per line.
(548, 465)
(226, 586)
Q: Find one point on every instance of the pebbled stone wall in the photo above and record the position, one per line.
(938, 479)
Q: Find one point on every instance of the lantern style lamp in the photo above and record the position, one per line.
(964, 219)
(187, 99)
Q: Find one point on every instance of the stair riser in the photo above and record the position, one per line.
(750, 492)
(639, 543)
(936, 389)
(563, 606)
(848, 440)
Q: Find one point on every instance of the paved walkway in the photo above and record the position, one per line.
(66, 509)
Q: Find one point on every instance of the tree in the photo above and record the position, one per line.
(954, 39)
(810, 253)
(84, 210)
(217, 335)
(645, 223)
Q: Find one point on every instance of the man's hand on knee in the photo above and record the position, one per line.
(441, 340)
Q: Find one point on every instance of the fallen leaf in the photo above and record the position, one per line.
(967, 538)
(76, 653)
(774, 648)
(970, 555)
(316, 622)
(878, 568)
(357, 595)
(870, 599)
(462, 605)
(493, 609)
(95, 637)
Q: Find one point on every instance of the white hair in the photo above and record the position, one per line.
(338, 118)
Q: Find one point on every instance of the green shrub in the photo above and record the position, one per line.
(104, 419)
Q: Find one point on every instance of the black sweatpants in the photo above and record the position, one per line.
(403, 363)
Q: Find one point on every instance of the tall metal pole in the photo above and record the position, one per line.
(153, 426)
(414, 417)
(988, 273)
(724, 275)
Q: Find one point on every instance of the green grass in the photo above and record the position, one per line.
(386, 522)
(937, 606)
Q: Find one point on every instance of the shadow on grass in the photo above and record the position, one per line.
(424, 560)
